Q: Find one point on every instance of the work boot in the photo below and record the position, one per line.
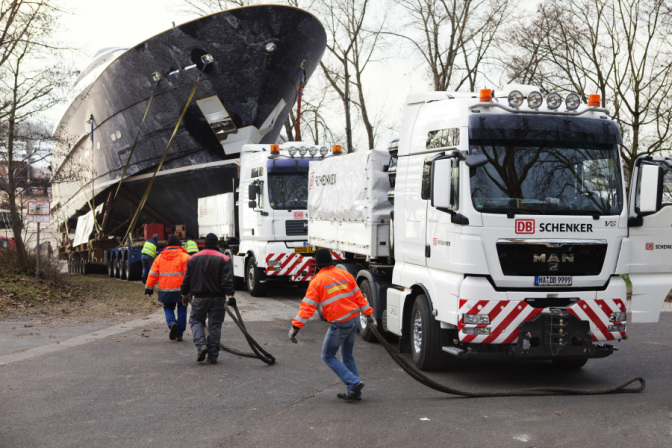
(212, 360)
(349, 397)
(174, 329)
(202, 352)
(354, 394)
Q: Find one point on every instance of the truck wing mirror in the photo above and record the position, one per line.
(476, 160)
(252, 204)
(253, 190)
(650, 189)
(441, 183)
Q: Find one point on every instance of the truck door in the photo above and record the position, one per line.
(650, 237)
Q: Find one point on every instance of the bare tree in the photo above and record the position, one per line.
(27, 84)
(351, 46)
(453, 37)
(620, 49)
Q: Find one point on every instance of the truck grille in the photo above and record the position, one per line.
(296, 227)
(551, 257)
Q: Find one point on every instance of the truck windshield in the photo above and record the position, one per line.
(546, 177)
(288, 191)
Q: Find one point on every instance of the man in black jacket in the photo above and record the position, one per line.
(209, 280)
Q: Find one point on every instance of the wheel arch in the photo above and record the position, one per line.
(416, 290)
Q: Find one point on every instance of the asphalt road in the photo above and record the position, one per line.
(127, 385)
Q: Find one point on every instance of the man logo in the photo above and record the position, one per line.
(525, 226)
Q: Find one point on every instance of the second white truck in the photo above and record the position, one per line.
(264, 226)
(499, 225)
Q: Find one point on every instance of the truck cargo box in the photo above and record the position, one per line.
(216, 215)
(348, 208)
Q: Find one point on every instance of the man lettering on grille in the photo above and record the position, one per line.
(336, 291)
(209, 280)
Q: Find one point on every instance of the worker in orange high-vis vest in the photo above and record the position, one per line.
(168, 270)
(336, 291)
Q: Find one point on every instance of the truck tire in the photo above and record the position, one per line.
(128, 272)
(122, 269)
(364, 331)
(390, 238)
(110, 267)
(569, 363)
(253, 277)
(117, 268)
(425, 336)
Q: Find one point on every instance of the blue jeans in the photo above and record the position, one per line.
(342, 335)
(169, 311)
(146, 265)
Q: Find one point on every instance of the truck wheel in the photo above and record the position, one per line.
(364, 331)
(117, 268)
(425, 336)
(252, 279)
(391, 235)
(569, 363)
(128, 273)
(122, 269)
(137, 270)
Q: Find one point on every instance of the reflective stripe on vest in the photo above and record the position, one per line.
(190, 246)
(149, 249)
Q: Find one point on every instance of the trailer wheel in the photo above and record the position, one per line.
(128, 274)
(137, 270)
(69, 264)
(364, 331)
(117, 268)
(569, 363)
(110, 267)
(253, 277)
(122, 269)
(425, 336)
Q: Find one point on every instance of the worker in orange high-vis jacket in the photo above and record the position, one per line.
(336, 291)
(168, 270)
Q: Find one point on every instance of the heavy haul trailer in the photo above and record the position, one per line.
(263, 226)
(502, 228)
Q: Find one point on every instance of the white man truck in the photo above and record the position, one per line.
(499, 226)
(264, 226)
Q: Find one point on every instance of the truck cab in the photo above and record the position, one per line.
(272, 216)
(510, 230)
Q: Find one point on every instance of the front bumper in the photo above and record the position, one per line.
(518, 328)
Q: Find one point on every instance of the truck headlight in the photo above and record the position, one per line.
(476, 319)
(619, 316)
(553, 101)
(534, 100)
(515, 99)
(572, 101)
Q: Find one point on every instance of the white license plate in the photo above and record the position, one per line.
(553, 280)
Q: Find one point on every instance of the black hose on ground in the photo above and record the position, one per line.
(424, 379)
(258, 352)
